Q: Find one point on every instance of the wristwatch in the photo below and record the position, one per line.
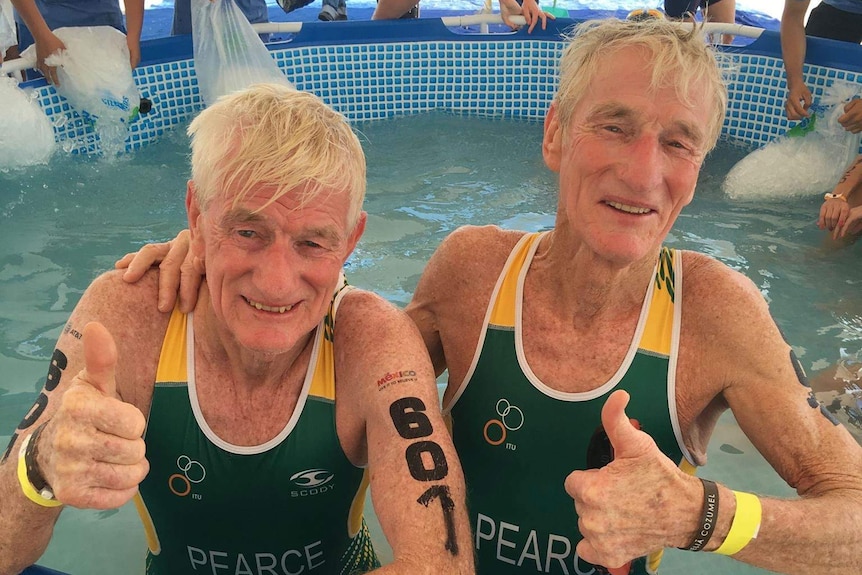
(831, 196)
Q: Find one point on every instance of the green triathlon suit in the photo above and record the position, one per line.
(518, 439)
(291, 505)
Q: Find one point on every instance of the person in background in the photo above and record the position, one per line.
(330, 10)
(333, 10)
(841, 212)
(712, 10)
(588, 364)
(255, 11)
(10, 54)
(8, 32)
(272, 404)
(833, 19)
(529, 9)
(37, 19)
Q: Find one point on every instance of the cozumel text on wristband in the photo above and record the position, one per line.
(26, 464)
(708, 517)
(745, 526)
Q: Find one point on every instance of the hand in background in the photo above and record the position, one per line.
(852, 117)
(798, 102)
(529, 10)
(45, 46)
(853, 223)
(833, 216)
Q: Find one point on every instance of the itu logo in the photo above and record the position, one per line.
(511, 419)
(180, 484)
(312, 482)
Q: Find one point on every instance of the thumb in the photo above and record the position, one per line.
(625, 438)
(100, 359)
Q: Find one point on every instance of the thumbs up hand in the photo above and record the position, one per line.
(91, 452)
(638, 503)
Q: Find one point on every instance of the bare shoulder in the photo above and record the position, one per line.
(717, 294)
(728, 337)
(360, 302)
(469, 254)
(373, 342)
(364, 315)
(124, 308)
(129, 312)
(468, 242)
(371, 335)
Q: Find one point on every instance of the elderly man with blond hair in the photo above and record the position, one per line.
(620, 353)
(248, 429)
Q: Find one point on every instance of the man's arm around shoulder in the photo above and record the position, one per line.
(386, 382)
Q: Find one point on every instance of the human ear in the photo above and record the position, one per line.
(196, 244)
(552, 142)
(357, 232)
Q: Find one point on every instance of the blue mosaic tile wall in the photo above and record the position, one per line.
(501, 78)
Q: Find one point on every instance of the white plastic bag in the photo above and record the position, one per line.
(94, 72)
(8, 35)
(96, 78)
(795, 165)
(26, 133)
(229, 55)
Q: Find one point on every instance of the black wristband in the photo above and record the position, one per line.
(34, 474)
(708, 517)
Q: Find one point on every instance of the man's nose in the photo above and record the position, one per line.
(279, 267)
(642, 168)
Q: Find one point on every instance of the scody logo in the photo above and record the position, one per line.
(312, 482)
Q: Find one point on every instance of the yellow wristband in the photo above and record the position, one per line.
(27, 487)
(745, 526)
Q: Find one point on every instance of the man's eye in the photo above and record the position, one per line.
(614, 129)
(682, 146)
(311, 244)
(245, 233)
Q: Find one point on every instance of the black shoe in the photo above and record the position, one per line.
(291, 5)
(412, 13)
(329, 14)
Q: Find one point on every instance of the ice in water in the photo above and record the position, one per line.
(26, 134)
(808, 162)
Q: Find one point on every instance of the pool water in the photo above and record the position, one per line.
(428, 174)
